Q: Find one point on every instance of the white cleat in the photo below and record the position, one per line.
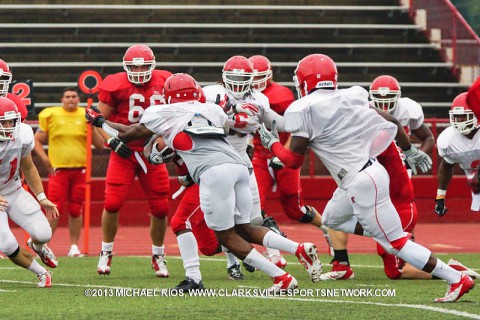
(159, 264)
(455, 264)
(307, 256)
(104, 262)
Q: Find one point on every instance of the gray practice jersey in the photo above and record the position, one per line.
(174, 120)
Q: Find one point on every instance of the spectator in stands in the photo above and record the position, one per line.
(347, 136)
(270, 172)
(16, 144)
(123, 98)
(385, 95)
(5, 80)
(65, 131)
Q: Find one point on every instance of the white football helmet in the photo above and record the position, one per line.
(385, 92)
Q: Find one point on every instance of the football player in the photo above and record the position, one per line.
(123, 98)
(270, 172)
(347, 136)
(16, 144)
(5, 80)
(196, 132)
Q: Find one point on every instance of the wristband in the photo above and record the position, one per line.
(441, 193)
(109, 130)
(41, 196)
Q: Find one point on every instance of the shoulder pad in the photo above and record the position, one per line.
(114, 82)
(26, 134)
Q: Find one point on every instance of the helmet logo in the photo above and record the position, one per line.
(383, 91)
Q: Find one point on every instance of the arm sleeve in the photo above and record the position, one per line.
(289, 158)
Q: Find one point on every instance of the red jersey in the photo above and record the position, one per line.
(130, 100)
(20, 105)
(401, 187)
(280, 98)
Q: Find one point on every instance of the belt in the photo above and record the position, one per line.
(368, 164)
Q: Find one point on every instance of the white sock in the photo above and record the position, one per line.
(107, 246)
(36, 268)
(255, 259)
(273, 252)
(156, 250)
(276, 241)
(445, 272)
(187, 244)
(231, 259)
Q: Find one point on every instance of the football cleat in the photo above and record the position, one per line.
(44, 280)
(307, 256)
(74, 252)
(234, 272)
(283, 283)
(104, 262)
(339, 272)
(46, 254)
(159, 264)
(457, 290)
(279, 261)
(271, 224)
(188, 285)
(455, 264)
(248, 267)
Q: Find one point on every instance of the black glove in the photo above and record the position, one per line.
(276, 164)
(440, 208)
(119, 147)
(185, 180)
(250, 151)
(161, 156)
(94, 116)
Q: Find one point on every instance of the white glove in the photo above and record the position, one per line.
(162, 156)
(418, 158)
(269, 137)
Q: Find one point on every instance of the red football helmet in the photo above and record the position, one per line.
(5, 78)
(136, 56)
(315, 71)
(9, 120)
(462, 117)
(385, 92)
(237, 75)
(180, 87)
(262, 72)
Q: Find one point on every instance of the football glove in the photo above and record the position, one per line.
(94, 117)
(119, 147)
(163, 156)
(417, 158)
(269, 137)
(440, 208)
(276, 164)
(185, 180)
(248, 108)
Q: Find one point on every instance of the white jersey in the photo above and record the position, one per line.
(409, 113)
(11, 152)
(169, 120)
(343, 131)
(242, 125)
(457, 148)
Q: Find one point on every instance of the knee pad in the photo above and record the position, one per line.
(75, 210)
(390, 265)
(209, 249)
(177, 224)
(15, 253)
(257, 221)
(308, 215)
(42, 233)
(159, 207)
(113, 203)
(291, 206)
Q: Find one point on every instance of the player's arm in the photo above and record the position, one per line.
(293, 157)
(445, 173)
(41, 139)
(35, 184)
(270, 116)
(424, 134)
(414, 157)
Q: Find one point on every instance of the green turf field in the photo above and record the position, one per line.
(76, 278)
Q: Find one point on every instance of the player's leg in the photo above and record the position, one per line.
(156, 186)
(58, 189)
(341, 269)
(75, 209)
(374, 210)
(224, 189)
(288, 181)
(120, 175)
